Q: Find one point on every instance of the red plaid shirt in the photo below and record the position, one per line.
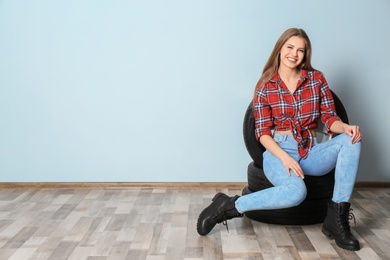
(276, 108)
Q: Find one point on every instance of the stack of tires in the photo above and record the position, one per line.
(319, 189)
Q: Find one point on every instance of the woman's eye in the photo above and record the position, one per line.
(302, 51)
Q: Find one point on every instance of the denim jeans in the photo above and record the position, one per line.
(289, 191)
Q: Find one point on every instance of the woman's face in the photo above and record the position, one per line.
(292, 52)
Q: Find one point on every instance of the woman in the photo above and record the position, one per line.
(289, 98)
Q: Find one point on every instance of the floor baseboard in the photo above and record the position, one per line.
(176, 185)
(368, 184)
(87, 185)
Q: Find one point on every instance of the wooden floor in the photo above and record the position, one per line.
(160, 223)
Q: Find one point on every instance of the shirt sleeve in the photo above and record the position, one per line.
(262, 114)
(328, 108)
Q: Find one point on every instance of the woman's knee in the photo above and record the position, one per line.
(298, 198)
(345, 140)
(296, 192)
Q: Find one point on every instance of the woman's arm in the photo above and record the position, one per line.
(289, 163)
(353, 131)
(329, 117)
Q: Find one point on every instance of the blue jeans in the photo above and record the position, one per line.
(289, 191)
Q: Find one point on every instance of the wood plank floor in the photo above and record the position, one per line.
(160, 223)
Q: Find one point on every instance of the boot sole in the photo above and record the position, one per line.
(347, 247)
(219, 194)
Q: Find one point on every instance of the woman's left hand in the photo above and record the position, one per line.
(354, 132)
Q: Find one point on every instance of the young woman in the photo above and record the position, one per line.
(289, 98)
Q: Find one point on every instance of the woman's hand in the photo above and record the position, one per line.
(354, 132)
(291, 164)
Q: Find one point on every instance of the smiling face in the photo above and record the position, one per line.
(292, 53)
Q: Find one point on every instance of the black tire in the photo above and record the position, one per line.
(309, 212)
(255, 148)
(318, 187)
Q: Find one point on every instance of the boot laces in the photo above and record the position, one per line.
(220, 216)
(225, 216)
(344, 220)
(224, 222)
(351, 216)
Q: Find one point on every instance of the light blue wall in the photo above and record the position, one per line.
(157, 90)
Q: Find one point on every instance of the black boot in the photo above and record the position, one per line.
(336, 225)
(220, 210)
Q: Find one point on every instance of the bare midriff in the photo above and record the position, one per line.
(288, 132)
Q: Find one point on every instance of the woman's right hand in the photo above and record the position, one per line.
(291, 164)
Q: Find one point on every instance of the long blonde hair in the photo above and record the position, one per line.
(273, 62)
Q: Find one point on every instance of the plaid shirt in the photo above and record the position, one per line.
(276, 108)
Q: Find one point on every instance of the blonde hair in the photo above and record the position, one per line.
(273, 62)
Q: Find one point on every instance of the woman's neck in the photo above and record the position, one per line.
(289, 74)
(290, 78)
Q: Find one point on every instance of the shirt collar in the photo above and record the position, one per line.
(276, 78)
